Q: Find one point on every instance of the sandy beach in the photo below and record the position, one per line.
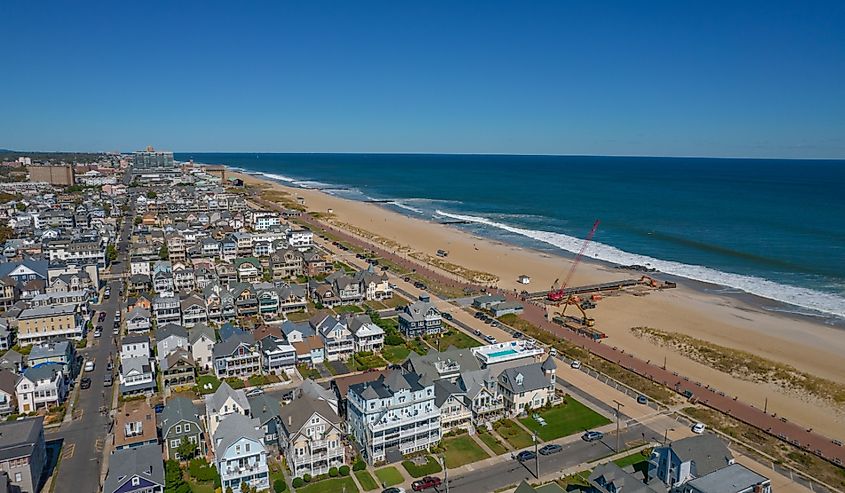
(727, 321)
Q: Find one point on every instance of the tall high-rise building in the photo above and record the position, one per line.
(150, 158)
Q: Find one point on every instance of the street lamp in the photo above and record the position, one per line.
(618, 406)
(445, 472)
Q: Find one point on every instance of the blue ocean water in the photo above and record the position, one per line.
(773, 228)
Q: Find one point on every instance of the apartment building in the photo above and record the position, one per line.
(23, 452)
(46, 323)
(393, 415)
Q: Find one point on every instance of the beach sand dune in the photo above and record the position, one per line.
(727, 321)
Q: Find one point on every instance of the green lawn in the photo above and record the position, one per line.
(200, 487)
(333, 485)
(298, 316)
(348, 309)
(235, 383)
(389, 476)
(492, 442)
(306, 372)
(418, 347)
(510, 431)
(365, 361)
(564, 420)
(395, 301)
(204, 379)
(366, 480)
(427, 469)
(375, 305)
(462, 450)
(395, 354)
(637, 459)
(452, 337)
(258, 380)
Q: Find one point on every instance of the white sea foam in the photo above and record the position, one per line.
(407, 207)
(275, 176)
(802, 297)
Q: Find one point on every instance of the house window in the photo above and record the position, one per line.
(17, 477)
(136, 481)
(178, 428)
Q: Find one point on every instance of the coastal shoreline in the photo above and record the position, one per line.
(730, 319)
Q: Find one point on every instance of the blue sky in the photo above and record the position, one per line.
(702, 78)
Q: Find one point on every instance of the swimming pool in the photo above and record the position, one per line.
(498, 354)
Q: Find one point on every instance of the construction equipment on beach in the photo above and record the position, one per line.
(558, 292)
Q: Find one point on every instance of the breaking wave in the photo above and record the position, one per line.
(802, 297)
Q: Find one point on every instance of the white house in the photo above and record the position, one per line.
(168, 338)
(367, 335)
(310, 436)
(239, 453)
(223, 402)
(134, 346)
(301, 239)
(201, 339)
(137, 375)
(138, 320)
(337, 339)
(41, 386)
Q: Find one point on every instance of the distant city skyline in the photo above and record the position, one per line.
(719, 79)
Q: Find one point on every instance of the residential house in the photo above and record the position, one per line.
(266, 410)
(420, 318)
(201, 340)
(193, 311)
(23, 452)
(367, 335)
(223, 402)
(393, 416)
(220, 303)
(12, 361)
(310, 351)
(350, 289)
(482, 395)
(134, 346)
(177, 368)
(292, 298)
(528, 387)
(246, 302)
(297, 331)
(313, 390)
(310, 436)
(135, 470)
(140, 282)
(454, 409)
(137, 376)
(375, 285)
(135, 425)
(8, 380)
(315, 263)
(248, 269)
(442, 365)
(61, 352)
(689, 458)
(277, 355)
(341, 385)
(239, 454)
(166, 310)
(138, 320)
(286, 264)
(610, 478)
(237, 356)
(180, 420)
(734, 478)
(301, 239)
(338, 342)
(169, 337)
(40, 387)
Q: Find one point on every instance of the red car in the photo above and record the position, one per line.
(425, 483)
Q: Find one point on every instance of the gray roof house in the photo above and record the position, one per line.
(138, 469)
(688, 458)
(528, 386)
(735, 478)
(610, 478)
(180, 419)
(23, 441)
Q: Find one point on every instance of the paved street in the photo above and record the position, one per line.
(574, 453)
(84, 437)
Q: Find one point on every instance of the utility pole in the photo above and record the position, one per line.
(619, 405)
(766, 406)
(536, 456)
(445, 472)
(666, 435)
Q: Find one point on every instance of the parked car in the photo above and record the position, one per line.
(426, 483)
(447, 316)
(592, 436)
(525, 455)
(393, 490)
(101, 317)
(698, 428)
(641, 399)
(550, 449)
(85, 383)
(89, 366)
(108, 380)
(517, 335)
(110, 366)
(490, 339)
(254, 392)
(576, 365)
(159, 408)
(477, 332)
(98, 333)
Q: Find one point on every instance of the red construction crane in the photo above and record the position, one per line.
(557, 292)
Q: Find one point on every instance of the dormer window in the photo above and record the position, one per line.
(136, 481)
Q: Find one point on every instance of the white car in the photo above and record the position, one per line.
(698, 428)
(89, 366)
(576, 365)
(254, 392)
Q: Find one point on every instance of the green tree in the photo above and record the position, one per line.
(186, 449)
(111, 253)
(6, 232)
(173, 480)
(137, 220)
(151, 194)
(162, 253)
(20, 206)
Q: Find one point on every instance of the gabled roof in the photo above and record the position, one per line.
(296, 414)
(20, 437)
(611, 474)
(135, 339)
(44, 371)
(443, 389)
(227, 346)
(178, 409)
(215, 401)
(527, 378)
(305, 328)
(168, 330)
(264, 408)
(388, 384)
(144, 461)
(138, 312)
(176, 356)
(199, 330)
(8, 379)
(707, 451)
(232, 428)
